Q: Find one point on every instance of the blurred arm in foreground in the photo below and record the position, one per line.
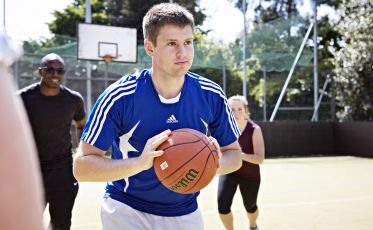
(21, 191)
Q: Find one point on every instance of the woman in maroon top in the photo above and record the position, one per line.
(247, 178)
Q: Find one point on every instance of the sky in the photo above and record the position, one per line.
(21, 23)
(223, 19)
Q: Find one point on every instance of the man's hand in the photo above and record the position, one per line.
(149, 153)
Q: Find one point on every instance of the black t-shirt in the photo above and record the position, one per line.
(51, 118)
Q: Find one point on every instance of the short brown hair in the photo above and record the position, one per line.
(163, 14)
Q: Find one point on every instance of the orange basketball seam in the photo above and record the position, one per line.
(194, 168)
(177, 169)
(191, 142)
(184, 131)
(204, 168)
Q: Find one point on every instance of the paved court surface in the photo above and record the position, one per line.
(322, 193)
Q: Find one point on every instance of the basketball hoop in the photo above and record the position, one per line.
(96, 42)
(108, 58)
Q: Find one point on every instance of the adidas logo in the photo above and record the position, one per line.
(172, 119)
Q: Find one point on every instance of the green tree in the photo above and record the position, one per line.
(267, 10)
(122, 13)
(129, 13)
(354, 61)
(272, 45)
(212, 60)
(65, 22)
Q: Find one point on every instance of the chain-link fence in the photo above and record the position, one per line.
(271, 49)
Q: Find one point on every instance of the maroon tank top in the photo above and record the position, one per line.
(248, 170)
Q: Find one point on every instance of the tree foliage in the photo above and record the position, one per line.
(213, 60)
(65, 22)
(121, 13)
(273, 43)
(354, 61)
(344, 50)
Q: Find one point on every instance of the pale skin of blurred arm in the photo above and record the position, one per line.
(258, 146)
(21, 190)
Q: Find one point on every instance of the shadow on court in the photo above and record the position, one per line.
(296, 194)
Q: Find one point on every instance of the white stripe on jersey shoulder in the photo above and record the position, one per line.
(228, 110)
(207, 84)
(125, 86)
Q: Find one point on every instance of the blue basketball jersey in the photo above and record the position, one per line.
(130, 111)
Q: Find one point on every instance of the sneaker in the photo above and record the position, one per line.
(256, 228)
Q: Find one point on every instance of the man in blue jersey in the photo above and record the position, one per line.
(137, 113)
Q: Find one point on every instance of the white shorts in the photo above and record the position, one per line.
(118, 216)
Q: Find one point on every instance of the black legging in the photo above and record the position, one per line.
(227, 188)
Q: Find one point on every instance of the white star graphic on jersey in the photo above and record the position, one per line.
(124, 144)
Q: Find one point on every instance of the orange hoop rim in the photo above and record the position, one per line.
(108, 58)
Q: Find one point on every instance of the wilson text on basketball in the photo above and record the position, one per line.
(183, 182)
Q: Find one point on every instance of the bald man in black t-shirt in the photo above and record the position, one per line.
(51, 109)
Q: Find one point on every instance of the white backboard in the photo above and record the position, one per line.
(96, 41)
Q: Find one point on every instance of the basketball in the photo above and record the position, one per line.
(189, 162)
